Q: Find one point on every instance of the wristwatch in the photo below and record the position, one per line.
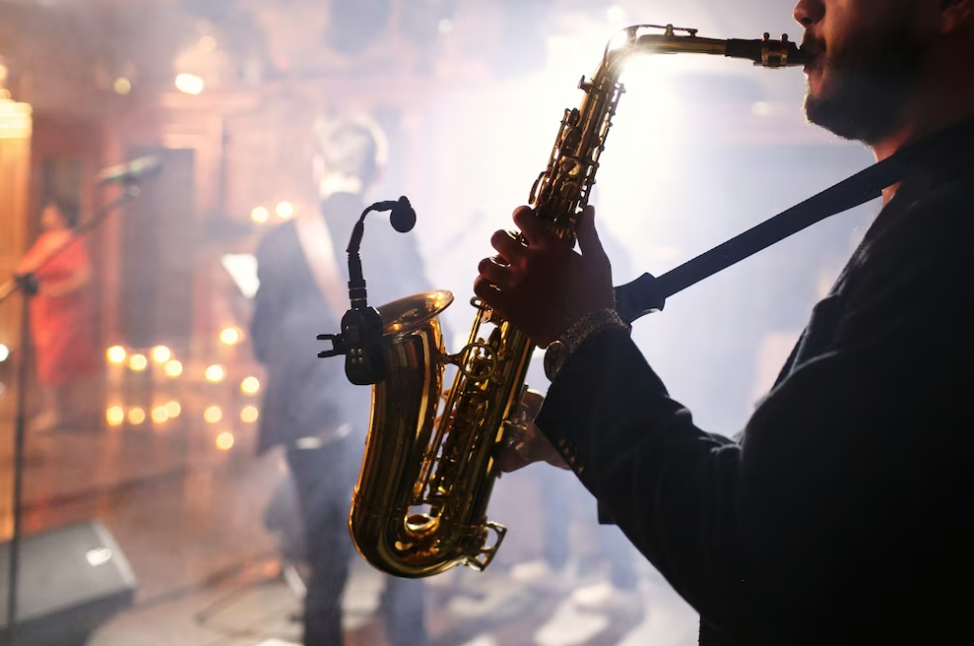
(558, 351)
(555, 357)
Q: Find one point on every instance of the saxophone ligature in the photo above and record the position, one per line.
(420, 504)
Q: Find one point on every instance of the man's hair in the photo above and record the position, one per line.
(354, 146)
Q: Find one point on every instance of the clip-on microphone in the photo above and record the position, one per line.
(361, 337)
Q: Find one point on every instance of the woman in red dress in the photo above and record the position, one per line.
(61, 317)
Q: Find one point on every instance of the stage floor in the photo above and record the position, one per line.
(189, 517)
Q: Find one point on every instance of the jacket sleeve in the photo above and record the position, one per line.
(829, 456)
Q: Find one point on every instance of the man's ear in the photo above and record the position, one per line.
(956, 14)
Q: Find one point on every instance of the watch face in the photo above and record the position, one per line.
(554, 357)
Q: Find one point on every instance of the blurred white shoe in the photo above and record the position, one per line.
(532, 571)
(569, 626)
(605, 596)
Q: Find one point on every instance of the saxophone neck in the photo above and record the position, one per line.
(763, 52)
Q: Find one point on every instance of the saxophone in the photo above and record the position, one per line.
(420, 505)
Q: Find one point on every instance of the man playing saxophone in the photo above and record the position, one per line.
(842, 516)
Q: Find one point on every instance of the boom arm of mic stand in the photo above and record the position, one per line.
(130, 191)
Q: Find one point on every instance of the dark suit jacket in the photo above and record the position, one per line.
(844, 515)
(305, 395)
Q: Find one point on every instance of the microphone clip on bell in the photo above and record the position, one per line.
(361, 337)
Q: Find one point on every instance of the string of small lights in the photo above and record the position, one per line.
(160, 368)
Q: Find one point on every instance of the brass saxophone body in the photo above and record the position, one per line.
(420, 505)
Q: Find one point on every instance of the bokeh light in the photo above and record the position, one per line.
(215, 373)
(138, 362)
(116, 354)
(136, 416)
(173, 368)
(189, 83)
(4, 353)
(230, 336)
(161, 354)
(213, 414)
(173, 409)
(160, 414)
(224, 441)
(115, 415)
(260, 214)
(249, 414)
(284, 210)
(122, 85)
(250, 386)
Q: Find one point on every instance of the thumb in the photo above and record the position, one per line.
(588, 238)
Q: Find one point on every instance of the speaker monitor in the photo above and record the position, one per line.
(72, 580)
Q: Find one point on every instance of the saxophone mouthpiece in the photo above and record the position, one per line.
(765, 52)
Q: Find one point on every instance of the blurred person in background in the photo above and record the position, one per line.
(309, 406)
(841, 516)
(565, 506)
(61, 319)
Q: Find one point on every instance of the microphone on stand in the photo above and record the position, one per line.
(361, 337)
(131, 171)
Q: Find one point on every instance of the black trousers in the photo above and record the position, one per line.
(324, 478)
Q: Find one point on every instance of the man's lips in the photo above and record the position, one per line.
(815, 57)
(814, 50)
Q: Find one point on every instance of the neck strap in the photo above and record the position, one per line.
(648, 293)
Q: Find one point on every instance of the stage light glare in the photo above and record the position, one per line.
(116, 354)
(213, 414)
(760, 108)
(260, 214)
(136, 416)
(160, 414)
(224, 441)
(229, 336)
(138, 362)
(215, 373)
(615, 13)
(173, 409)
(189, 83)
(122, 86)
(250, 386)
(173, 368)
(4, 353)
(284, 210)
(161, 354)
(249, 414)
(115, 415)
(207, 44)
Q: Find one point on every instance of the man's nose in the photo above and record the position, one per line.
(809, 12)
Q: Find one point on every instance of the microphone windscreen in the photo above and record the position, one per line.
(403, 216)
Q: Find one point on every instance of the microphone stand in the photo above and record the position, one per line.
(27, 285)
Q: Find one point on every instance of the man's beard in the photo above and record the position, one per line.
(871, 81)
